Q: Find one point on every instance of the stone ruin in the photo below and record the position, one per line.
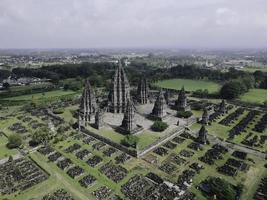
(159, 109)
(142, 91)
(202, 135)
(120, 91)
(129, 125)
(87, 106)
(181, 103)
(205, 117)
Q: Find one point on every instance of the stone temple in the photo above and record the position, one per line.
(159, 109)
(88, 105)
(128, 125)
(202, 135)
(222, 107)
(119, 113)
(99, 121)
(142, 91)
(181, 103)
(205, 117)
(120, 91)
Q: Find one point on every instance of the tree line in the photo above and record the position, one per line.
(235, 82)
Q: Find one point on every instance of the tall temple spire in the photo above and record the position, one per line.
(128, 122)
(88, 104)
(159, 109)
(181, 103)
(120, 91)
(142, 91)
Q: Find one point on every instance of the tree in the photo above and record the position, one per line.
(130, 141)
(264, 83)
(42, 135)
(6, 85)
(222, 189)
(184, 114)
(14, 141)
(159, 126)
(233, 89)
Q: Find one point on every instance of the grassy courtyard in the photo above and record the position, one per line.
(146, 137)
(190, 85)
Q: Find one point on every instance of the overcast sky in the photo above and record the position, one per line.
(133, 23)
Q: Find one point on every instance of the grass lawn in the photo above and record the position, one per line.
(146, 138)
(67, 114)
(253, 69)
(255, 96)
(107, 133)
(45, 95)
(4, 151)
(190, 85)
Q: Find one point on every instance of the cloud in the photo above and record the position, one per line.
(132, 23)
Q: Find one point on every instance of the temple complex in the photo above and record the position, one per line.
(159, 109)
(181, 103)
(142, 91)
(120, 91)
(88, 106)
(202, 135)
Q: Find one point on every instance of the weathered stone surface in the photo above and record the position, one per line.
(181, 103)
(120, 91)
(142, 91)
(159, 109)
(202, 135)
(88, 105)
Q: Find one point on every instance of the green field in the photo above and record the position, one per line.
(190, 85)
(50, 94)
(253, 69)
(255, 96)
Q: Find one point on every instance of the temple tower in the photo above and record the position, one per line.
(142, 91)
(99, 122)
(159, 109)
(205, 117)
(120, 91)
(128, 123)
(222, 107)
(181, 103)
(202, 135)
(167, 96)
(88, 105)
